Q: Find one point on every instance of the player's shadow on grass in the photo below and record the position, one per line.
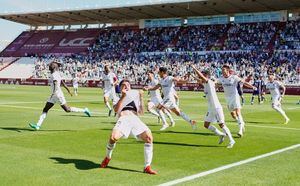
(81, 164)
(16, 129)
(180, 132)
(83, 116)
(184, 144)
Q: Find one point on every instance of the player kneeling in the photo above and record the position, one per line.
(128, 108)
(215, 110)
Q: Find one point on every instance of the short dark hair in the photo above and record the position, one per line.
(163, 69)
(226, 66)
(150, 72)
(207, 72)
(123, 81)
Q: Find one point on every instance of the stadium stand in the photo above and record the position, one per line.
(22, 68)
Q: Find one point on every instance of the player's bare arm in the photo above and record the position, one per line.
(141, 110)
(200, 75)
(152, 88)
(66, 87)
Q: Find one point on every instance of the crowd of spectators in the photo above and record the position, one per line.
(131, 52)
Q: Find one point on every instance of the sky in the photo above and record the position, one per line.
(10, 30)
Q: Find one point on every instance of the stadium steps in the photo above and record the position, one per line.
(21, 68)
(7, 62)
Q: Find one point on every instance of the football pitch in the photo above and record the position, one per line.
(70, 146)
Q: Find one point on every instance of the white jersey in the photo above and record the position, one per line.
(230, 86)
(274, 88)
(167, 86)
(108, 80)
(154, 93)
(55, 76)
(75, 81)
(131, 101)
(211, 95)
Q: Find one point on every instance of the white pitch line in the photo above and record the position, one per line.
(205, 173)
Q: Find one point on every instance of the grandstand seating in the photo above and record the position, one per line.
(22, 68)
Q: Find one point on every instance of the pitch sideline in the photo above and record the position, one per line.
(228, 166)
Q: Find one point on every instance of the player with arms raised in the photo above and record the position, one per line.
(215, 110)
(167, 85)
(229, 83)
(57, 95)
(128, 108)
(274, 87)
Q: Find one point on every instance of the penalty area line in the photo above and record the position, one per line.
(228, 166)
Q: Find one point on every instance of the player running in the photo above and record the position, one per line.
(215, 110)
(109, 83)
(155, 100)
(128, 108)
(229, 83)
(274, 87)
(167, 85)
(57, 95)
(75, 82)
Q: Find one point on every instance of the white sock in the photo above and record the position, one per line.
(42, 117)
(227, 132)
(177, 102)
(75, 109)
(279, 109)
(108, 105)
(148, 153)
(240, 120)
(153, 111)
(169, 116)
(215, 130)
(185, 117)
(162, 116)
(109, 149)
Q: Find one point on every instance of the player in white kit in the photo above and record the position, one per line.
(229, 83)
(75, 82)
(167, 85)
(215, 110)
(109, 84)
(57, 95)
(274, 87)
(128, 108)
(155, 100)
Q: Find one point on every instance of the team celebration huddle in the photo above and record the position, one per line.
(128, 104)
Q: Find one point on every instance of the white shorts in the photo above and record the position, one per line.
(169, 103)
(215, 116)
(57, 98)
(75, 86)
(234, 103)
(111, 94)
(130, 125)
(156, 101)
(276, 101)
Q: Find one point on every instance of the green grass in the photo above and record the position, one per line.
(69, 147)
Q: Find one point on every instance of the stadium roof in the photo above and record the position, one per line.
(149, 11)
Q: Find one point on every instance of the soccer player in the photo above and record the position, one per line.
(75, 82)
(167, 85)
(109, 83)
(229, 83)
(274, 87)
(215, 110)
(57, 95)
(259, 83)
(128, 108)
(155, 100)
